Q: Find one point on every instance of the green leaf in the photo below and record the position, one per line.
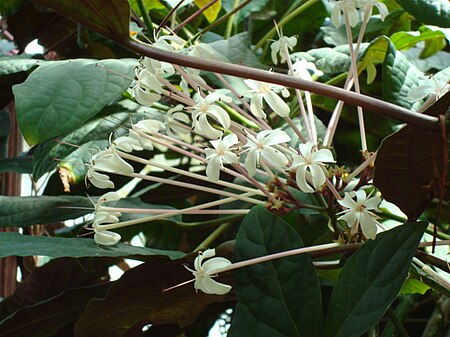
(399, 77)
(92, 135)
(371, 279)
(414, 286)
(107, 17)
(288, 287)
(22, 164)
(435, 40)
(253, 7)
(212, 11)
(16, 64)
(27, 211)
(137, 298)
(433, 12)
(15, 244)
(59, 97)
(46, 318)
(8, 7)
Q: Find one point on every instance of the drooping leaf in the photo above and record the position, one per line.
(409, 165)
(399, 77)
(138, 297)
(434, 40)
(414, 286)
(110, 18)
(371, 279)
(288, 287)
(49, 316)
(15, 244)
(61, 96)
(212, 11)
(433, 12)
(27, 211)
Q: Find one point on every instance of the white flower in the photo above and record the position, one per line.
(220, 154)
(173, 118)
(346, 7)
(109, 161)
(204, 272)
(267, 91)
(101, 216)
(260, 148)
(311, 160)
(147, 88)
(367, 5)
(433, 87)
(205, 108)
(106, 238)
(357, 213)
(302, 70)
(97, 179)
(281, 46)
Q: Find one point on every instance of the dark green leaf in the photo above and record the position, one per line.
(8, 7)
(47, 317)
(107, 17)
(15, 244)
(399, 77)
(27, 211)
(92, 135)
(371, 279)
(23, 164)
(137, 297)
(288, 287)
(61, 96)
(433, 12)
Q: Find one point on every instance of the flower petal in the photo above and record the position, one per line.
(106, 238)
(277, 104)
(211, 287)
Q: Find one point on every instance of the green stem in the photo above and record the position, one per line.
(230, 22)
(397, 323)
(145, 16)
(219, 21)
(271, 33)
(212, 237)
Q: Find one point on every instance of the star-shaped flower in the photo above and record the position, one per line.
(222, 153)
(205, 271)
(311, 161)
(358, 213)
(261, 147)
(261, 90)
(433, 87)
(207, 107)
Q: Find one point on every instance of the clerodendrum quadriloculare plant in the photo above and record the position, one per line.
(255, 132)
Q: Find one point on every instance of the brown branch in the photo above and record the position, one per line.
(384, 108)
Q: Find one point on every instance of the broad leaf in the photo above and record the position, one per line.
(46, 318)
(288, 287)
(92, 135)
(15, 244)
(59, 97)
(434, 40)
(399, 77)
(27, 211)
(15, 64)
(433, 12)
(410, 164)
(108, 17)
(371, 279)
(212, 11)
(138, 297)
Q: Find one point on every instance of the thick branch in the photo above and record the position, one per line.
(384, 108)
